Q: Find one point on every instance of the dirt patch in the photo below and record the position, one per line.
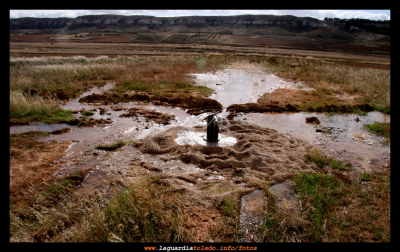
(275, 42)
(34, 37)
(113, 39)
(260, 154)
(299, 97)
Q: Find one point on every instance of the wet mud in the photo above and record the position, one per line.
(261, 154)
(194, 105)
(291, 107)
(149, 115)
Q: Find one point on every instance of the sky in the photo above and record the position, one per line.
(380, 14)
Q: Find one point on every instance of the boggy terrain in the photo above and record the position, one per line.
(143, 199)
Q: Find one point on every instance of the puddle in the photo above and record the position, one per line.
(191, 138)
(74, 104)
(18, 129)
(236, 86)
(340, 142)
(110, 166)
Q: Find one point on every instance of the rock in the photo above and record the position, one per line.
(251, 215)
(287, 203)
(327, 130)
(113, 238)
(312, 119)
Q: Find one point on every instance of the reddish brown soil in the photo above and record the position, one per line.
(113, 39)
(251, 41)
(35, 37)
(362, 48)
(111, 56)
(366, 65)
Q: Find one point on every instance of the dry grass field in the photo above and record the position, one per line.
(339, 204)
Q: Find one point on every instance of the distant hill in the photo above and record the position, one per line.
(362, 30)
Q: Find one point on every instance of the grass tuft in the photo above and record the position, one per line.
(382, 129)
(114, 146)
(321, 192)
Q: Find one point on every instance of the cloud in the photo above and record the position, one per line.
(355, 14)
(319, 14)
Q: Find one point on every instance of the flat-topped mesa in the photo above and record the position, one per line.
(252, 24)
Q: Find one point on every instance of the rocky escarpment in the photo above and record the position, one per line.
(240, 25)
(39, 23)
(118, 21)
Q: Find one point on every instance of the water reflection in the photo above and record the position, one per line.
(235, 86)
(338, 141)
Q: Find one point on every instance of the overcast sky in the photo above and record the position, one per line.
(319, 14)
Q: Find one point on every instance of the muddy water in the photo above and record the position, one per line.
(365, 152)
(109, 166)
(347, 139)
(36, 127)
(236, 86)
